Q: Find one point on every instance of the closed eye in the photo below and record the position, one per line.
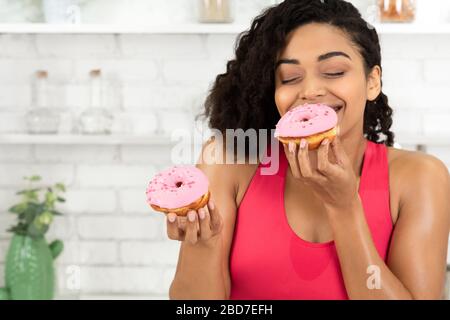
(332, 75)
(289, 80)
(337, 74)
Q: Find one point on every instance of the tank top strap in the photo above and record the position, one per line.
(376, 170)
(274, 157)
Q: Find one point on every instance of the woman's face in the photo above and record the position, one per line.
(321, 65)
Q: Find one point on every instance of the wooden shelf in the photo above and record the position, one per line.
(192, 28)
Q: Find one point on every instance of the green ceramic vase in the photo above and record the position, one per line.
(29, 271)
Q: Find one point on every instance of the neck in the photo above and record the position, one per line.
(355, 147)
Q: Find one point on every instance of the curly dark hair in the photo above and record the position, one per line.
(243, 96)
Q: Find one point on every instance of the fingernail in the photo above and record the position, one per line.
(303, 143)
(211, 205)
(291, 147)
(191, 216)
(325, 142)
(201, 214)
(171, 218)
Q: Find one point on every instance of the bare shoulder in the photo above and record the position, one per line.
(221, 176)
(414, 174)
(232, 178)
(416, 165)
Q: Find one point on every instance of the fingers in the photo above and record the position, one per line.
(339, 153)
(195, 226)
(191, 228)
(291, 150)
(324, 166)
(304, 162)
(173, 231)
(303, 159)
(205, 223)
(182, 222)
(209, 223)
(322, 156)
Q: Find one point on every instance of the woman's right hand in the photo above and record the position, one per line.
(202, 226)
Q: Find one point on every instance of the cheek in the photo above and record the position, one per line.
(284, 98)
(352, 91)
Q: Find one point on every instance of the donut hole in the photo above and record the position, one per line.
(179, 184)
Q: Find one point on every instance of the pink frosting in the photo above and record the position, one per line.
(177, 187)
(306, 120)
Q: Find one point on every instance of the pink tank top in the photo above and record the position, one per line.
(269, 261)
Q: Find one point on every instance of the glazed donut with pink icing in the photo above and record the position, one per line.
(313, 122)
(178, 189)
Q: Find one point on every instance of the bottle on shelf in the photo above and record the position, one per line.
(215, 11)
(96, 119)
(397, 10)
(42, 118)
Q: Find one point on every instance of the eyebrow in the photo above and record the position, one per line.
(319, 58)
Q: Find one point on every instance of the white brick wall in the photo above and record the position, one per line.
(14, 153)
(79, 46)
(17, 45)
(154, 83)
(109, 227)
(12, 174)
(152, 253)
(90, 253)
(90, 201)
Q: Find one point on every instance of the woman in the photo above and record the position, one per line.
(355, 219)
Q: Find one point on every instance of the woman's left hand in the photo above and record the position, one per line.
(334, 183)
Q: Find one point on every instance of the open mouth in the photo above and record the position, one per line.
(337, 108)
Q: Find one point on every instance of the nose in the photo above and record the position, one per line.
(311, 90)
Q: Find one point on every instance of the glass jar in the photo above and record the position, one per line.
(96, 119)
(215, 11)
(397, 10)
(42, 119)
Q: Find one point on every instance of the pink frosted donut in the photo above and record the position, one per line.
(178, 189)
(314, 122)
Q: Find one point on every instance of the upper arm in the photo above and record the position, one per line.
(223, 184)
(418, 250)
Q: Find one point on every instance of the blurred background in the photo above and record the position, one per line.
(91, 91)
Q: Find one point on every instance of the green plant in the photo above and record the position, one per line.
(35, 212)
(29, 270)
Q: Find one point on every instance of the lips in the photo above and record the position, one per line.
(336, 108)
